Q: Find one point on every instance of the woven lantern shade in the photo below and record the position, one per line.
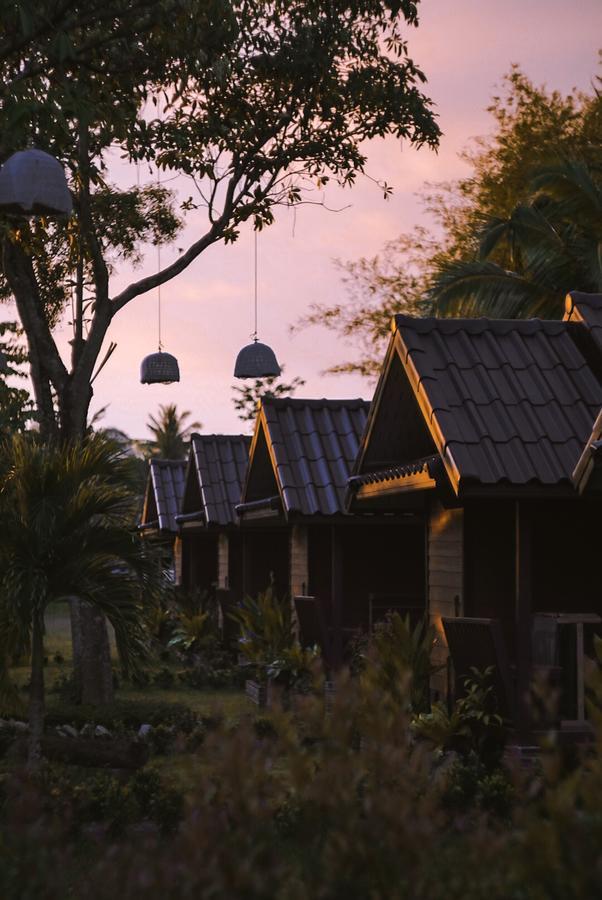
(33, 182)
(159, 368)
(256, 360)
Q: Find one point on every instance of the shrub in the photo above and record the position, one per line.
(398, 660)
(266, 626)
(474, 726)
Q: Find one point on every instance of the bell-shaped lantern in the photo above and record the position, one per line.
(33, 182)
(256, 360)
(159, 368)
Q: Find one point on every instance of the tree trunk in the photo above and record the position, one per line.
(36, 693)
(96, 675)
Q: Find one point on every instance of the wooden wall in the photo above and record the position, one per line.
(445, 579)
(222, 561)
(299, 574)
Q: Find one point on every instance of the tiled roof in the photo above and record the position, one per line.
(314, 444)
(166, 477)
(221, 464)
(586, 308)
(508, 401)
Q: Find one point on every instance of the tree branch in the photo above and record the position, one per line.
(152, 281)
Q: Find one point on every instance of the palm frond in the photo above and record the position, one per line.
(484, 288)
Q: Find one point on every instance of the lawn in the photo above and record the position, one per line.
(232, 704)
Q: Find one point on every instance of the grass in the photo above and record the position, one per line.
(231, 704)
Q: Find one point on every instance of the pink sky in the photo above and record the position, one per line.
(464, 47)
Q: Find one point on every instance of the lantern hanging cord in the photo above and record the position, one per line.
(159, 297)
(159, 285)
(255, 289)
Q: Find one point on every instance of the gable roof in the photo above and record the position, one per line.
(506, 402)
(164, 492)
(312, 445)
(219, 464)
(585, 308)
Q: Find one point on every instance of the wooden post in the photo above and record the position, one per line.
(223, 549)
(523, 616)
(299, 577)
(244, 566)
(177, 560)
(336, 594)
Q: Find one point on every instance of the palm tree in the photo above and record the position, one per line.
(170, 432)
(548, 246)
(66, 532)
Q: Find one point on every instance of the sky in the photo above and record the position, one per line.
(464, 47)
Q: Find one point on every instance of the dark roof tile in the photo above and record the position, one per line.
(315, 443)
(220, 462)
(513, 400)
(166, 480)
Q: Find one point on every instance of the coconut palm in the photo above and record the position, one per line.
(548, 246)
(170, 432)
(66, 532)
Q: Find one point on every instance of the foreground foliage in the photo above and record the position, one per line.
(345, 804)
(66, 533)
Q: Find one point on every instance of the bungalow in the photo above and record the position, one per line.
(487, 426)
(295, 527)
(208, 546)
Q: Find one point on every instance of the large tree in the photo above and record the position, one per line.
(508, 238)
(258, 103)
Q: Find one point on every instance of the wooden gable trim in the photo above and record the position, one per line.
(192, 478)
(261, 427)
(376, 402)
(150, 502)
(586, 462)
(420, 481)
(397, 348)
(427, 412)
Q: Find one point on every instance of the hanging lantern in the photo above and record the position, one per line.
(159, 368)
(33, 182)
(256, 360)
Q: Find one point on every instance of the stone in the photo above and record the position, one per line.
(101, 731)
(67, 731)
(18, 726)
(145, 730)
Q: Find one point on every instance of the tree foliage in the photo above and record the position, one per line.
(67, 532)
(524, 224)
(256, 104)
(170, 432)
(17, 410)
(246, 398)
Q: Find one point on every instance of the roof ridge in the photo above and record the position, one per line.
(195, 436)
(315, 403)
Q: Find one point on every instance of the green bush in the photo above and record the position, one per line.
(266, 627)
(473, 727)
(386, 818)
(398, 660)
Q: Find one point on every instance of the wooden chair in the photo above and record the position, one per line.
(479, 644)
(312, 628)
